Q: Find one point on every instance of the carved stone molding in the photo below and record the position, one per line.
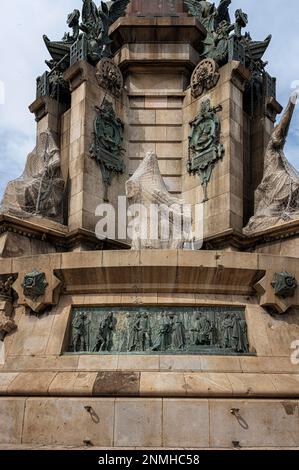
(204, 77)
(79, 73)
(44, 105)
(6, 292)
(7, 324)
(272, 108)
(109, 76)
(278, 291)
(37, 290)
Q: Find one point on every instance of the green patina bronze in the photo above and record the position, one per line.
(284, 284)
(224, 40)
(107, 148)
(205, 148)
(89, 40)
(34, 285)
(159, 330)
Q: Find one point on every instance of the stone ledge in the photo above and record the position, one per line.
(153, 30)
(149, 422)
(70, 363)
(149, 384)
(182, 271)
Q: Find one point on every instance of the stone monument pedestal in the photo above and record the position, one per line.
(106, 346)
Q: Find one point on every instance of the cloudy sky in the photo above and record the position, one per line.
(22, 55)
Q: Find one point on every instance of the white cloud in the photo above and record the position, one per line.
(24, 23)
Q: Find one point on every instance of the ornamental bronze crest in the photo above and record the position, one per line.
(204, 77)
(34, 285)
(110, 77)
(107, 148)
(284, 284)
(205, 148)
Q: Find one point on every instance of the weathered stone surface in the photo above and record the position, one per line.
(192, 423)
(207, 385)
(256, 424)
(286, 385)
(11, 420)
(97, 363)
(143, 418)
(162, 384)
(180, 363)
(220, 364)
(66, 421)
(31, 383)
(5, 380)
(186, 423)
(138, 363)
(116, 383)
(251, 384)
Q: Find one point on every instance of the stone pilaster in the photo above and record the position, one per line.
(223, 211)
(86, 184)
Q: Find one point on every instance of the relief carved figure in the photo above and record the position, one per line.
(107, 149)
(7, 323)
(81, 332)
(152, 330)
(105, 334)
(110, 77)
(226, 332)
(6, 288)
(239, 340)
(204, 77)
(140, 333)
(205, 148)
(163, 340)
(178, 335)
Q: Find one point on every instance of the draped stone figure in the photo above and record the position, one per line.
(277, 197)
(40, 189)
(163, 220)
